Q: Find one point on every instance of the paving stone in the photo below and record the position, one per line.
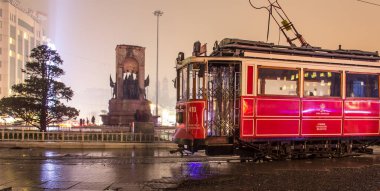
(58, 184)
(91, 186)
(125, 187)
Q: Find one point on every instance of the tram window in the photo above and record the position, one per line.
(179, 85)
(191, 84)
(277, 81)
(179, 117)
(184, 83)
(362, 85)
(322, 83)
(196, 80)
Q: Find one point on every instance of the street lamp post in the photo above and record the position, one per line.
(157, 13)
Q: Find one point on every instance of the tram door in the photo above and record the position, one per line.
(222, 98)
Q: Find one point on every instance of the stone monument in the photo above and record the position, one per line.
(128, 103)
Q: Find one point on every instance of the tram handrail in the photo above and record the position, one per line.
(91, 137)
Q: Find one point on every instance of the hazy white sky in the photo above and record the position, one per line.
(86, 33)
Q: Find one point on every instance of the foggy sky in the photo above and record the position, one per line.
(86, 33)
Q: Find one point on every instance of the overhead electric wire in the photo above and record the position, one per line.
(369, 3)
(263, 7)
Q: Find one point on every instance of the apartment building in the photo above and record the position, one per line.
(20, 31)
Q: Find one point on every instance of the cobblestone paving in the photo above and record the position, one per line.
(153, 170)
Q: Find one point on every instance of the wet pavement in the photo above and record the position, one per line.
(156, 169)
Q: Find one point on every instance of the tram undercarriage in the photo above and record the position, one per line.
(280, 150)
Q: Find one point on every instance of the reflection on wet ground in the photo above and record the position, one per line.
(156, 169)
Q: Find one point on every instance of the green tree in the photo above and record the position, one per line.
(38, 100)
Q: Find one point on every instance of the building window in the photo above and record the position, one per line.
(19, 70)
(278, 81)
(12, 17)
(12, 31)
(322, 83)
(26, 47)
(27, 26)
(12, 70)
(19, 44)
(32, 42)
(362, 85)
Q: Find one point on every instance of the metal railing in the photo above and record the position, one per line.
(65, 136)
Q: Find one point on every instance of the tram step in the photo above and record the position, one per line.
(218, 140)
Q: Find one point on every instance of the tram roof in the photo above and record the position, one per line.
(238, 47)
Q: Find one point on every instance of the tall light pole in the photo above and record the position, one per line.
(157, 13)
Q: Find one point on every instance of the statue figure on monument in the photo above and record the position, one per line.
(131, 87)
(113, 86)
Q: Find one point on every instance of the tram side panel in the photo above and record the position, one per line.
(322, 117)
(287, 117)
(361, 117)
(277, 117)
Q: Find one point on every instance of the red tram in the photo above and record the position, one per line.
(262, 99)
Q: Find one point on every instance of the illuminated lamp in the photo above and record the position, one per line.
(314, 75)
(322, 75)
(296, 76)
(329, 74)
(328, 83)
(362, 83)
(292, 77)
(284, 87)
(306, 74)
(322, 83)
(248, 107)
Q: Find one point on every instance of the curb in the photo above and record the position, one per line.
(84, 145)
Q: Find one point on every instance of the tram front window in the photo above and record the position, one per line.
(278, 81)
(196, 81)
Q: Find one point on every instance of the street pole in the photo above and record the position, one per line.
(157, 13)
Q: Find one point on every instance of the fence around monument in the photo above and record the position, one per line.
(64, 136)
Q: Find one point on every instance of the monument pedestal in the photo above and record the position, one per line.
(122, 112)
